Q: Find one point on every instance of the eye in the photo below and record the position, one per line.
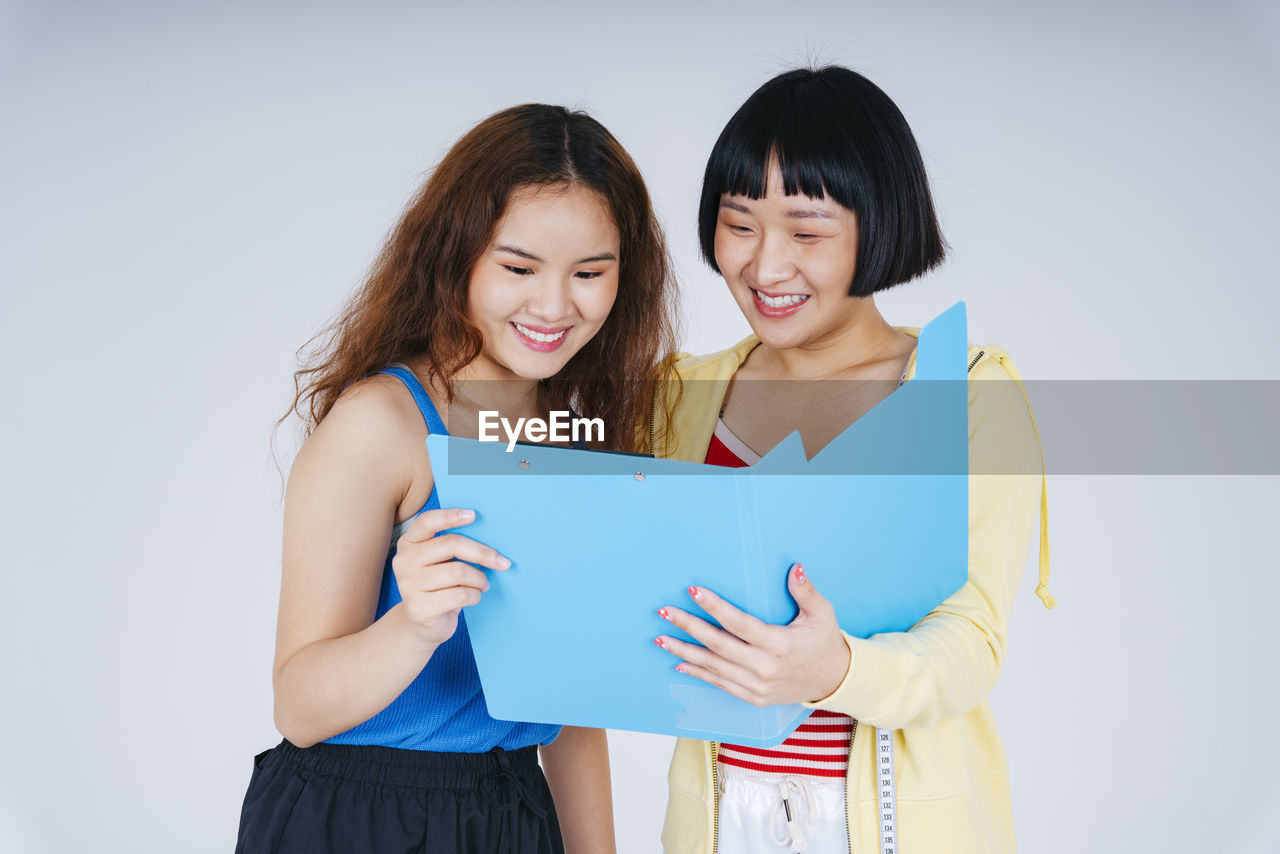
(519, 271)
(589, 274)
(738, 229)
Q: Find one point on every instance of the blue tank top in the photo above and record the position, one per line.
(443, 708)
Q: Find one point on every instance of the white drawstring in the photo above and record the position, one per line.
(794, 837)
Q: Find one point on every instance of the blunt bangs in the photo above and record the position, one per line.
(835, 134)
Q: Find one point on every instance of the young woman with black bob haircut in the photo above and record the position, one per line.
(815, 198)
(528, 275)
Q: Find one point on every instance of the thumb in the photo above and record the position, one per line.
(428, 523)
(801, 589)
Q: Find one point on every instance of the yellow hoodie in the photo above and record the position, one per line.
(928, 685)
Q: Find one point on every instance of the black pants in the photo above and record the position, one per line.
(370, 800)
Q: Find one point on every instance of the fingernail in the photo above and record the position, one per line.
(800, 576)
(660, 642)
(696, 594)
(680, 669)
(466, 515)
(504, 562)
(664, 613)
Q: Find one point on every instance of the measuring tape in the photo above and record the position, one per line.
(888, 804)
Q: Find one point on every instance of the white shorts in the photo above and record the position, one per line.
(774, 814)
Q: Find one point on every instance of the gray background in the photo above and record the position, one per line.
(189, 191)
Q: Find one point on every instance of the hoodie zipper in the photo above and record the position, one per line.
(653, 424)
(715, 799)
(848, 831)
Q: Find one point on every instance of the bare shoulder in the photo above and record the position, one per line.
(373, 434)
(380, 404)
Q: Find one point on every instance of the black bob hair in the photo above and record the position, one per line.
(835, 133)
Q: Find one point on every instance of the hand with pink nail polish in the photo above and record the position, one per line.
(763, 664)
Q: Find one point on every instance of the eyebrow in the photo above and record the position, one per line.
(791, 213)
(808, 213)
(515, 250)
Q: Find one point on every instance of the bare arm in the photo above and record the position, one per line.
(335, 667)
(577, 769)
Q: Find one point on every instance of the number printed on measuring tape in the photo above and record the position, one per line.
(888, 807)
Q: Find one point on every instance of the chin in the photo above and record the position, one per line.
(533, 369)
(525, 372)
(775, 337)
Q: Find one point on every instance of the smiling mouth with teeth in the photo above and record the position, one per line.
(779, 303)
(540, 336)
(542, 341)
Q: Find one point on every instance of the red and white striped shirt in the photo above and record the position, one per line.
(820, 746)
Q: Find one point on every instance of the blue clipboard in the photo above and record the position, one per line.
(600, 541)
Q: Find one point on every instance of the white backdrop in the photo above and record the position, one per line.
(189, 191)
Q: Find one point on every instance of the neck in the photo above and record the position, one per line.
(474, 389)
(865, 337)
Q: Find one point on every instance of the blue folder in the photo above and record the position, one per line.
(600, 541)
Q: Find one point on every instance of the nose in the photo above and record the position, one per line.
(771, 263)
(551, 299)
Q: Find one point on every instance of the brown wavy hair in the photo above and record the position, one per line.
(413, 305)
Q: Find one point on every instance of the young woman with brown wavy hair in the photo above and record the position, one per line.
(528, 275)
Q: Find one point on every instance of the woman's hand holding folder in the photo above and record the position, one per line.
(434, 572)
(763, 664)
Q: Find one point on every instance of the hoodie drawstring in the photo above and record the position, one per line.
(1042, 588)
